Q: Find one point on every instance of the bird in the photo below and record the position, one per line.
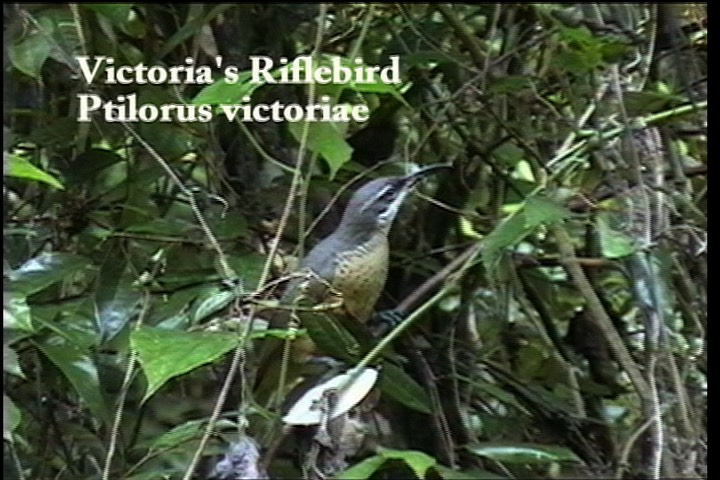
(347, 270)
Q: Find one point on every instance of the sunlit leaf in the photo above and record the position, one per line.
(44, 270)
(20, 167)
(16, 313)
(613, 244)
(327, 139)
(543, 211)
(11, 418)
(165, 354)
(115, 298)
(362, 469)
(419, 462)
(223, 92)
(10, 362)
(80, 369)
(519, 452)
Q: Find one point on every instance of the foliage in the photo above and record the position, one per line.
(565, 252)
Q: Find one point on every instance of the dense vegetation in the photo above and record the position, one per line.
(553, 283)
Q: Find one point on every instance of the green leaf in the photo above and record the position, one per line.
(509, 232)
(21, 168)
(211, 302)
(470, 474)
(509, 84)
(183, 433)
(419, 462)
(165, 354)
(543, 211)
(400, 386)
(223, 92)
(327, 139)
(115, 299)
(509, 154)
(363, 469)
(249, 267)
(80, 369)
(116, 12)
(44, 270)
(520, 452)
(330, 335)
(16, 313)
(613, 244)
(86, 167)
(11, 418)
(30, 54)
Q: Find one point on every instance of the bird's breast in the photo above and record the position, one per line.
(360, 276)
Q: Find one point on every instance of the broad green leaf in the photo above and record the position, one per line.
(519, 452)
(16, 313)
(249, 267)
(470, 474)
(165, 354)
(10, 362)
(509, 232)
(211, 302)
(80, 369)
(401, 387)
(86, 166)
(21, 168)
(363, 469)
(331, 336)
(44, 270)
(509, 154)
(115, 298)
(613, 244)
(496, 392)
(11, 418)
(184, 432)
(419, 462)
(543, 211)
(30, 54)
(166, 227)
(327, 139)
(223, 92)
(116, 12)
(509, 84)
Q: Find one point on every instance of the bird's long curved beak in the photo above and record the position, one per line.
(415, 177)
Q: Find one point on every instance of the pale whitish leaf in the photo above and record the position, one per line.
(355, 386)
(165, 354)
(11, 418)
(10, 362)
(212, 302)
(16, 313)
(44, 270)
(519, 452)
